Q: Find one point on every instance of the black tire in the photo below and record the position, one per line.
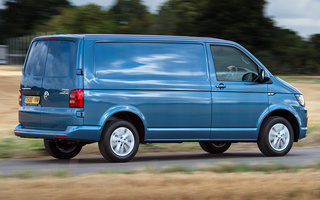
(62, 149)
(276, 136)
(215, 147)
(119, 142)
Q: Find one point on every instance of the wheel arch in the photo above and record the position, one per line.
(288, 116)
(128, 113)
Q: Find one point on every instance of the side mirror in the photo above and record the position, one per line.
(262, 76)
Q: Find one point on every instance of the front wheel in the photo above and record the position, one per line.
(62, 149)
(215, 147)
(119, 142)
(276, 137)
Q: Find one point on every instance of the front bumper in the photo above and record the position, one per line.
(304, 122)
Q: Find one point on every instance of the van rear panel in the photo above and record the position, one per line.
(49, 75)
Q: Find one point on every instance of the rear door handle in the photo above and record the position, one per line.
(220, 86)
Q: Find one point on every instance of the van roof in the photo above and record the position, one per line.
(127, 37)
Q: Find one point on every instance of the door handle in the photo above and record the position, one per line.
(220, 86)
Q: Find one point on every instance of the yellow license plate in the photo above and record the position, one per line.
(32, 100)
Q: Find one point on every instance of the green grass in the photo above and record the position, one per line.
(15, 147)
(269, 167)
(304, 79)
(227, 167)
(30, 174)
(295, 193)
(212, 168)
(177, 168)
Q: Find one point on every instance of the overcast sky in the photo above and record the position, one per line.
(302, 16)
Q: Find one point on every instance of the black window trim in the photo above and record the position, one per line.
(231, 46)
(27, 58)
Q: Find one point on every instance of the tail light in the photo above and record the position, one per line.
(51, 38)
(76, 99)
(20, 97)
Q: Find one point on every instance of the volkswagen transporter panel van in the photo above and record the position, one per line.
(124, 90)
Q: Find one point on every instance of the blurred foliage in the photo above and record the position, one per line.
(20, 16)
(131, 16)
(282, 51)
(84, 19)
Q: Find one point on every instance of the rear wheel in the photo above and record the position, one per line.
(62, 149)
(119, 142)
(276, 137)
(215, 147)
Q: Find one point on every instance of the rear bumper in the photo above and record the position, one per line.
(81, 133)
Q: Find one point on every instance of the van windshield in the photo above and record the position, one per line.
(55, 58)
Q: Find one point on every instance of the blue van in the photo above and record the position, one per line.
(123, 90)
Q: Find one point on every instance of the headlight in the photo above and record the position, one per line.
(300, 99)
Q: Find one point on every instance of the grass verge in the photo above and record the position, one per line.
(15, 147)
(219, 168)
(301, 79)
(227, 167)
(169, 183)
(30, 174)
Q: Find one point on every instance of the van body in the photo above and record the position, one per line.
(123, 90)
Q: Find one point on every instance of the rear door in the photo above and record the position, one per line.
(49, 75)
(31, 84)
(60, 78)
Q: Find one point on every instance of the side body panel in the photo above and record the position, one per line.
(174, 108)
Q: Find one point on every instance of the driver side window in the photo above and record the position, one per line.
(233, 65)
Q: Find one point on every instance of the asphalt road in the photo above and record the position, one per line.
(80, 166)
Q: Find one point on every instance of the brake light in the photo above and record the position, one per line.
(76, 99)
(61, 136)
(51, 38)
(20, 97)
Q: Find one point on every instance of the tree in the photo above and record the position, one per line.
(314, 43)
(20, 16)
(132, 7)
(178, 17)
(281, 50)
(131, 16)
(90, 18)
